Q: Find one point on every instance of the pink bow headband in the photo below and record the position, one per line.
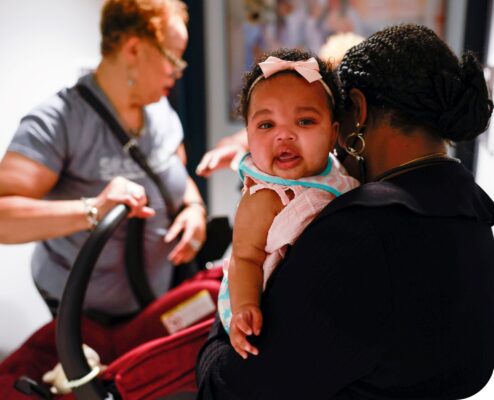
(308, 69)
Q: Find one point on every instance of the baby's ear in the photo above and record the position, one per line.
(335, 133)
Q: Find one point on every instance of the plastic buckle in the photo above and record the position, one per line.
(30, 387)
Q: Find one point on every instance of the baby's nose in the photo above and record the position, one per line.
(285, 133)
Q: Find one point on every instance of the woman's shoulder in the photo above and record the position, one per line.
(54, 117)
(56, 105)
(446, 190)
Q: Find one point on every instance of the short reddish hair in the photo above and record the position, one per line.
(142, 18)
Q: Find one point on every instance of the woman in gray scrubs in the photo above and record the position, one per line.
(64, 169)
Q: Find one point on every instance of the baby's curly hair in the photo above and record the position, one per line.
(143, 18)
(408, 73)
(325, 69)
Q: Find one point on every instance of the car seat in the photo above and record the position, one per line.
(145, 360)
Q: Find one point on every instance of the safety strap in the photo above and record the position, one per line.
(129, 145)
(134, 251)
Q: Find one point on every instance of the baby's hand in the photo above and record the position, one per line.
(247, 320)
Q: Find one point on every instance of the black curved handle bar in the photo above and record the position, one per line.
(68, 331)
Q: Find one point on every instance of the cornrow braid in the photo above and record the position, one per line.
(410, 74)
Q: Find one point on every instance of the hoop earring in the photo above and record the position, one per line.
(354, 146)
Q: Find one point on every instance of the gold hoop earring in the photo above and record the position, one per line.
(354, 146)
(355, 142)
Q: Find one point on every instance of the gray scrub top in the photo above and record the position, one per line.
(68, 136)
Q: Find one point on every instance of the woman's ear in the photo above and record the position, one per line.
(359, 106)
(357, 112)
(131, 48)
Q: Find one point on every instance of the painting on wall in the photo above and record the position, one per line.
(256, 26)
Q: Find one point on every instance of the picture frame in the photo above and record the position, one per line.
(257, 26)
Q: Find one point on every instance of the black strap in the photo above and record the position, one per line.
(134, 250)
(128, 144)
(134, 259)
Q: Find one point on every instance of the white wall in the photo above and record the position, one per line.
(223, 185)
(43, 45)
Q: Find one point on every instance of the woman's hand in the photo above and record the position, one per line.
(191, 222)
(223, 154)
(121, 190)
(218, 158)
(246, 321)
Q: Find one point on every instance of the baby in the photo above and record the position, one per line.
(288, 103)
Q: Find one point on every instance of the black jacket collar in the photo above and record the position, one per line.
(441, 190)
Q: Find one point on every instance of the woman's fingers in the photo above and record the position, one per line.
(190, 224)
(122, 190)
(183, 252)
(174, 230)
(204, 166)
(135, 197)
(186, 248)
(216, 159)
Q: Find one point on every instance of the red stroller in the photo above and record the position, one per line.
(144, 361)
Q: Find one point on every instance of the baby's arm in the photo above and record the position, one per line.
(254, 217)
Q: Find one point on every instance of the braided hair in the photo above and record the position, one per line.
(325, 69)
(408, 73)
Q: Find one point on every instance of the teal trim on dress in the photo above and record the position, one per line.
(243, 169)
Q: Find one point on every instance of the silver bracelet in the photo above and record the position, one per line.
(92, 213)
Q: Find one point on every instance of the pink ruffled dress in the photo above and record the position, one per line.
(309, 195)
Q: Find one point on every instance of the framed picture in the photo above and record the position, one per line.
(257, 26)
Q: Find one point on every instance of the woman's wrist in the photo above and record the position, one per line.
(199, 204)
(91, 212)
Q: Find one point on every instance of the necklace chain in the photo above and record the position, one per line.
(418, 162)
(439, 154)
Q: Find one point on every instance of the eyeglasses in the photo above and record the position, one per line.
(177, 63)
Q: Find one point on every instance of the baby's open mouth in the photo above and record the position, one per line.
(287, 159)
(286, 156)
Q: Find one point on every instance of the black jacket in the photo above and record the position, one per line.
(388, 294)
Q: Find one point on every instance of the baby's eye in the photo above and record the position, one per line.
(306, 121)
(265, 125)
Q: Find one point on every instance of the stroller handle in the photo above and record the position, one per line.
(68, 331)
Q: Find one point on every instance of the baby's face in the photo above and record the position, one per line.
(290, 128)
